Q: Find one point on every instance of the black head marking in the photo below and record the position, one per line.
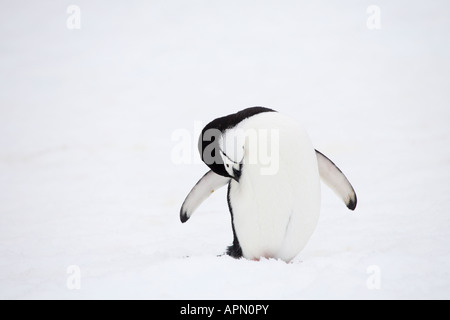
(230, 121)
(208, 143)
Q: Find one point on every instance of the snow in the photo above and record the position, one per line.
(88, 179)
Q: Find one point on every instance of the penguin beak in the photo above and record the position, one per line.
(237, 173)
(232, 168)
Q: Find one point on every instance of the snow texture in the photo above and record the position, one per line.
(88, 121)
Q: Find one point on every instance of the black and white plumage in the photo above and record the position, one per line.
(274, 206)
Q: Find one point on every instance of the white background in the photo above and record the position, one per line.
(87, 176)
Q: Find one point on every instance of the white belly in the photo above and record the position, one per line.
(275, 211)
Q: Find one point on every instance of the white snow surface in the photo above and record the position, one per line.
(88, 175)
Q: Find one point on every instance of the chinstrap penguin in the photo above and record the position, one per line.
(273, 176)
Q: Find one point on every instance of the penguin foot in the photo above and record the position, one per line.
(234, 251)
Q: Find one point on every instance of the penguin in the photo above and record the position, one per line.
(273, 176)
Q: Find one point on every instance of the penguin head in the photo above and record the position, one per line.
(222, 151)
(222, 145)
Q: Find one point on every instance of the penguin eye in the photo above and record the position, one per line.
(228, 165)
